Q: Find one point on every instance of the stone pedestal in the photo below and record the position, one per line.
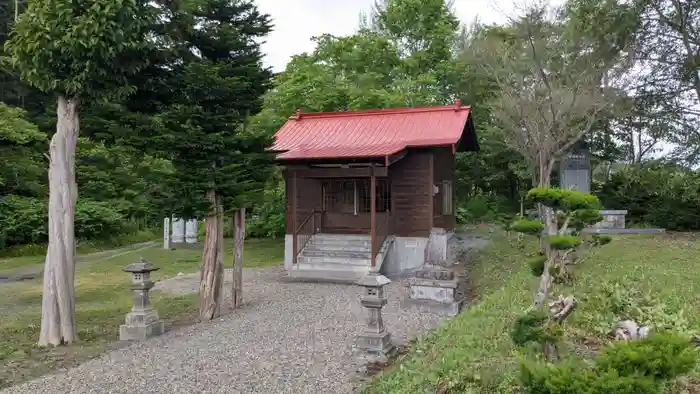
(143, 321)
(191, 231)
(612, 219)
(435, 288)
(374, 338)
(178, 231)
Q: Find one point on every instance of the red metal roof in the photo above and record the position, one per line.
(372, 133)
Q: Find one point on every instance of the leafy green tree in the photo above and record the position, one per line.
(80, 50)
(22, 167)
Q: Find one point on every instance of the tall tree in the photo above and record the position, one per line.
(550, 86)
(81, 50)
(207, 77)
(664, 43)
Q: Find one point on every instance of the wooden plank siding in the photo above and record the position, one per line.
(444, 170)
(308, 199)
(411, 189)
(415, 210)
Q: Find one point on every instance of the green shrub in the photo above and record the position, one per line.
(564, 199)
(545, 378)
(641, 366)
(97, 220)
(656, 194)
(582, 218)
(527, 226)
(23, 220)
(661, 356)
(537, 265)
(564, 242)
(266, 220)
(531, 328)
(600, 240)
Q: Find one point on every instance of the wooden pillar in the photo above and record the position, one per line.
(294, 216)
(373, 214)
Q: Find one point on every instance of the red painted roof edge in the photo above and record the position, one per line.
(385, 111)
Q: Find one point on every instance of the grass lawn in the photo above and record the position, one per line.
(102, 298)
(472, 353)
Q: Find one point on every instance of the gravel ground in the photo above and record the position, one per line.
(287, 338)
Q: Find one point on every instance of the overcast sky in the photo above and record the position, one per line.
(296, 21)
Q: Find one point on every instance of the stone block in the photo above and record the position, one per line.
(141, 332)
(612, 219)
(375, 343)
(435, 290)
(435, 274)
(440, 294)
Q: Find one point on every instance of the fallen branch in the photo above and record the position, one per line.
(562, 307)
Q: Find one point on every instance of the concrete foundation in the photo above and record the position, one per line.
(436, 252)
(405, 254)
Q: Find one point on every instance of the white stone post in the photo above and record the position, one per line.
(191, 231)
(166, 233)
(178, 231)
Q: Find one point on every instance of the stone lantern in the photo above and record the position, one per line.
(142, 322)
(374, 337)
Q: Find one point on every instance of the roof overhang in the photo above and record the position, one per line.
(371, 135)
(468, 142)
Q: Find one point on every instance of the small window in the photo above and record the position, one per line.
(447, 197)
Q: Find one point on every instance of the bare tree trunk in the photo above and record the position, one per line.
(550, 228)
(212, 272)
(238, 239)
(58, 298)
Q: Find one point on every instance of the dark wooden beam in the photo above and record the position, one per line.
(373, 215)
(294, 216)
(332, 172)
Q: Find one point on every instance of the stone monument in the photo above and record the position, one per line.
(575, 173)
(178, 236)
(375, 339)
(143, 321)
(191, 231)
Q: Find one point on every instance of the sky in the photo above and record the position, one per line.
(297, 21)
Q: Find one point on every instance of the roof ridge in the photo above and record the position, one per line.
(384, 111)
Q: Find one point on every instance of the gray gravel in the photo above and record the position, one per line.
(287, 338)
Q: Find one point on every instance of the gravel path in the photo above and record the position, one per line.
(287, 338)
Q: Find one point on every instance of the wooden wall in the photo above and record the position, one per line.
(308, 199)
(411, 192)
(415, 210)
(444, 170)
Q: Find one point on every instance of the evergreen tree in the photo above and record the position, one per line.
(206, 80)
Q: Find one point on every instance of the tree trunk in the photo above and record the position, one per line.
(58, 298)
(212, 272)
(238, 238)
(550, 228)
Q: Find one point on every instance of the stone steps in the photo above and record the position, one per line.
(343, 253)
(337, 258)
(327, 259)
